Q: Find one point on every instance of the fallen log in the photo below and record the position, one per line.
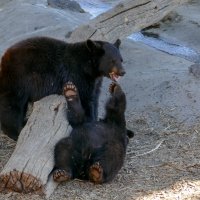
(29, 167)
(32, 160)
(127, 17)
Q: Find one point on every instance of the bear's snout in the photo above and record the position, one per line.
(121, 72)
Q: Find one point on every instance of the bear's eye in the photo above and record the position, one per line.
(112, 61)
(121, 60)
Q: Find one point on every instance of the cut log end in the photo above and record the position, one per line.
(22, 182)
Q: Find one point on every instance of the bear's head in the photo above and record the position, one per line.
(107, 58)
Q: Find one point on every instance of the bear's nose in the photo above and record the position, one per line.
(122, 72)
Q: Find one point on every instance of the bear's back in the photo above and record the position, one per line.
(37, 54)
(38, 42)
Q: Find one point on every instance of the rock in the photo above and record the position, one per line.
(172, 16)
(66, 4)
(195, 70)
(3, 3)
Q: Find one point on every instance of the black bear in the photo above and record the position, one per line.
(94, 150)
(37, 67)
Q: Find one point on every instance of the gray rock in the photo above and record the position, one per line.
(66, 4)
(3, 3)
(195, 70)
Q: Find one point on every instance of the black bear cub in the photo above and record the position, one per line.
(95, 150)
(40, 66)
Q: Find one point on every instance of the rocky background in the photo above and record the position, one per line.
(162, 84)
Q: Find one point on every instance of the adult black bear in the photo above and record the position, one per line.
(37, 67)
(94, 150)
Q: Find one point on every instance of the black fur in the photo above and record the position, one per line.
(37, 67)
(103, 142)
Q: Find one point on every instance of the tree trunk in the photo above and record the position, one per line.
(32, 161)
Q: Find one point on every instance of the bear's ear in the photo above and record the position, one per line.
(117, 43)
(93, 46)
(129, 133)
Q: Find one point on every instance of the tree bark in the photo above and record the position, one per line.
(32, 161)
(127, 17)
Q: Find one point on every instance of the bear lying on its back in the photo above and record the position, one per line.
(95, 150)
(37, 67)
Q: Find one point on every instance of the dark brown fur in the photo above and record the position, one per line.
(95, 150)
(38, 67)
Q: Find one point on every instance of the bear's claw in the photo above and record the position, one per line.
(96, 173)
(70, 91)
(114, 87)
(60, 175)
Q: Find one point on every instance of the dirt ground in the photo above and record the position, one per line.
(163, 159)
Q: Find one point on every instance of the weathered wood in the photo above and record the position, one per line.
(30, 164)
(127, 17)
(29, 167)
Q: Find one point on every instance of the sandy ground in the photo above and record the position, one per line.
(163, 159)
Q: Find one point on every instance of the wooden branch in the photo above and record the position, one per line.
(29, 167)
(127, 17)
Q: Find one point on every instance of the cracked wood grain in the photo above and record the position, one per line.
(124, 19)
(32, 160)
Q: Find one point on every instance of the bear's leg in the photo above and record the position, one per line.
(12, 113)
(116, 105)
(106, 163)
(117, 98)
(63, 160)
(75, 112)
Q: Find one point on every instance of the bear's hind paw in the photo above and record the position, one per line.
(96, 173)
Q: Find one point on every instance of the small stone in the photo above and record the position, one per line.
(195, 70)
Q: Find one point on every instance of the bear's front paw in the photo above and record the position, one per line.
(114, 87)
(96, 173)
(60, 175)
(70, 91)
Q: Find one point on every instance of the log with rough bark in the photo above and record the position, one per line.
(32, 161)
(127, 17)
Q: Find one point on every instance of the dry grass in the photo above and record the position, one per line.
(6, 148)
(161, 163)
